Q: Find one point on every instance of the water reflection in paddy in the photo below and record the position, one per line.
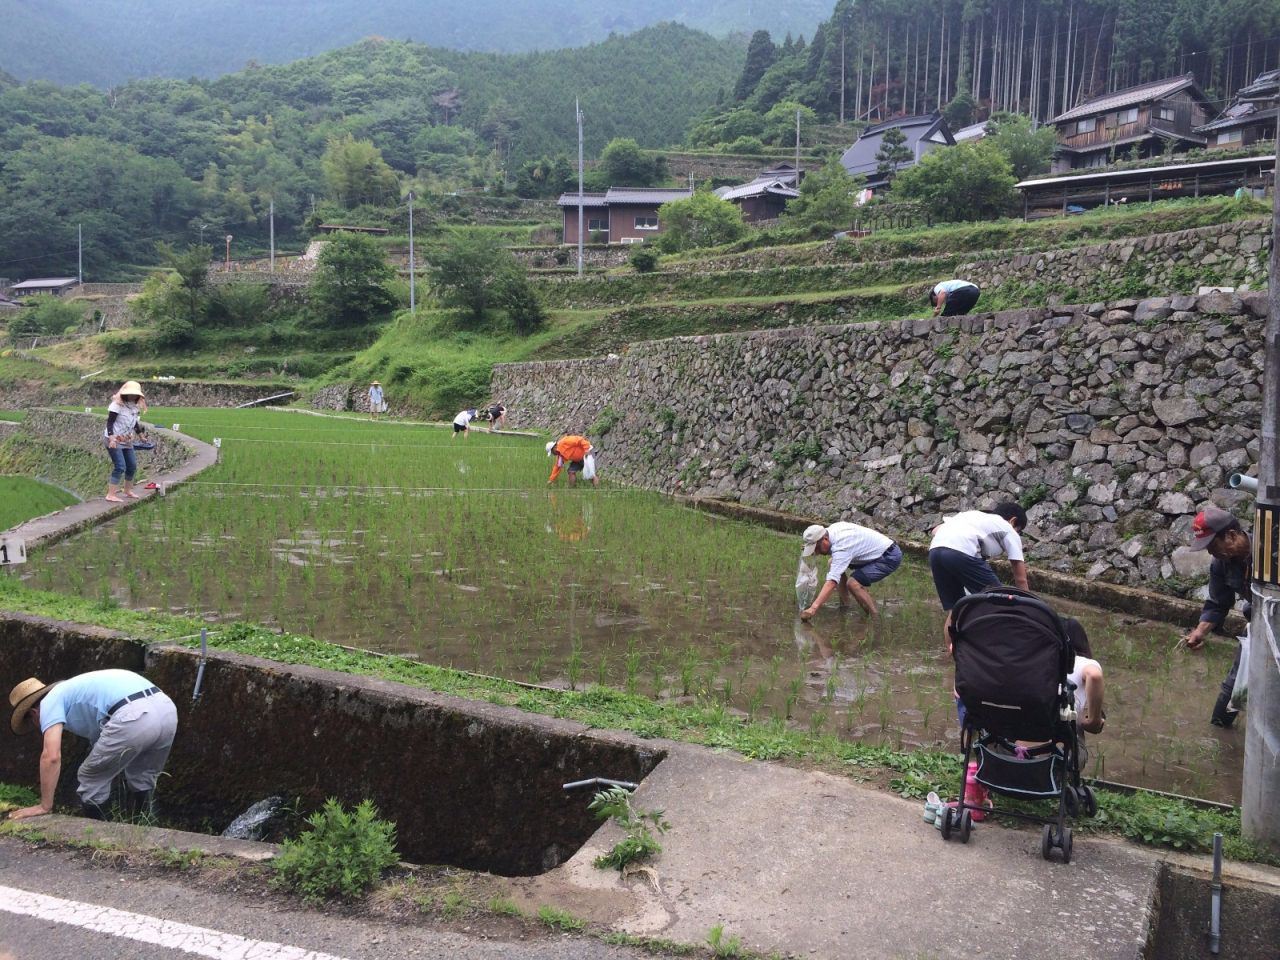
(588, 586)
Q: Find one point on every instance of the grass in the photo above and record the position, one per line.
(22, 499)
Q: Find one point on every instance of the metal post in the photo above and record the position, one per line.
(578, 113)
(80, 254)
(413, 303)
(1260, 798)
(273, 236)
(798, 123)
(228, 253)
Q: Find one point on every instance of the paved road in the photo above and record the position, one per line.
(54, 906)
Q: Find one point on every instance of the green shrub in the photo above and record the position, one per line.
(639, 843)
(644, 259)
(341, 855)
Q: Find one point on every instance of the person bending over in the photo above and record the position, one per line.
(859, 556)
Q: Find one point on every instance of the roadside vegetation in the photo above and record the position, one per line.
(22, 499)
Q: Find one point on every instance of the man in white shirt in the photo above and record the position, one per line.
(859, 556)
(962, 545)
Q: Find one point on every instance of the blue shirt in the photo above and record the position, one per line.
(82, 702)
(375, 394)
(951, 286)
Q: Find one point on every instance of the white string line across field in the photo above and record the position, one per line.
(201, 941)
(363, 487)
(368, 443)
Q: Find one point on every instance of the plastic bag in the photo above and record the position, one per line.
(806, 584)
(589, 467)
(1240, 692)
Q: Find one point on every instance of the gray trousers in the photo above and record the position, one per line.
(134, 741)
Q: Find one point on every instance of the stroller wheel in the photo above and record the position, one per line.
(1073, 801)
(1090, 800)
(947, 813)
(1046, 841)
(966, 824)
(1065, 843)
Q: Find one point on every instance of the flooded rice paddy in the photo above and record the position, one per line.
(402, 540)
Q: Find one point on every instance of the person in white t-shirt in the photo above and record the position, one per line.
(963, 544)
(859, 556)
(1086, 674)
(462, 423)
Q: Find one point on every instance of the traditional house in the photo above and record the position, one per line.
(54, 285)
(765, 197)
(619, 215)
(1139, 121)
(1248, 119)
(924, 134)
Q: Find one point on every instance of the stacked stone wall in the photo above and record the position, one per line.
(1114, 422)
(23, 395)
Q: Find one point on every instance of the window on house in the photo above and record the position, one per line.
(1087, 125)
(597, 224)
(646, 223)
(1167, 113)
(1127, 116)
(1230, 136)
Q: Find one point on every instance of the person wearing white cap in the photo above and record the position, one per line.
(1230, 578)
(859, 556)
(129, 721)
(123, 414)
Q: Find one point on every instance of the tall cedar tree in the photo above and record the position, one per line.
(760, 56)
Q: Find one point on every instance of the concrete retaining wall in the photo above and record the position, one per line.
(467, 783)
(1116, 421)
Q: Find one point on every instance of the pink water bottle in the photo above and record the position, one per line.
(975, 794)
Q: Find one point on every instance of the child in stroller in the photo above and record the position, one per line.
(1014, 661)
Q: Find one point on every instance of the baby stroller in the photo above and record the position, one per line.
(1013, 657)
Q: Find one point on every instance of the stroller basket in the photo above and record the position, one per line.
(1036, 778)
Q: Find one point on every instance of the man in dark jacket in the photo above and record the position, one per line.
(1230, 579)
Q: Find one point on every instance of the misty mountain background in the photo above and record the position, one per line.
(105, 42)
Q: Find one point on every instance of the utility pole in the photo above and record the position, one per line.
(1260, 798)
(273, 236)
(578, 111)
(229, 238)
(80, 254)
(798, 148)
(413, 304)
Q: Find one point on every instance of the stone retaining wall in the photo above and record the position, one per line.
(1115, 422)
(24, 395)
(593, 255)
(66, 449)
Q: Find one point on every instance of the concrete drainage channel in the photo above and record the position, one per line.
(467, 783)
(1182, 916)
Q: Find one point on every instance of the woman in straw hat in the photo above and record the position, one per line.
(126, 409)
(130, 723)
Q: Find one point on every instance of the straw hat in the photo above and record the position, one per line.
(23, 697)
(132, 388)
(375, 384)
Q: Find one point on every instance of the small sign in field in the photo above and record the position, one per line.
(13, 551)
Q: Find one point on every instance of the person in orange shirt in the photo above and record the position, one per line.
(576, 451)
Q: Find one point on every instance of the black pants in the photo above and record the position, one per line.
(1222, 714)
(959, 302)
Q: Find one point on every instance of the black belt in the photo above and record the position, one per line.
(130, 698)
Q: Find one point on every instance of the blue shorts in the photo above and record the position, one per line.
(876, 570)
(956, 573)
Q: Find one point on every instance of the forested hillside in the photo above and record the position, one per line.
(885, 58)
(156, 159)
(106, 42)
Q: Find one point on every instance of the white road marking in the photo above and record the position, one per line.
(136, 926)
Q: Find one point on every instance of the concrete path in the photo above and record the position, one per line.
(53, 527)
(819, 865)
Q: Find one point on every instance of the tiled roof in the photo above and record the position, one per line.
(1244, 118)
(588, 200)
(44, 283)
(1265, 83)
(975, 131)
(646, 195)
(861, 157)
(1130, 97)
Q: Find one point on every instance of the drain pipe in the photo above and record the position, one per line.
(1240, 481)
(624, 784)
(1215, 922)
(204, 655)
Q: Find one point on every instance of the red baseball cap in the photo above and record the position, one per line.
(1208, 523)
